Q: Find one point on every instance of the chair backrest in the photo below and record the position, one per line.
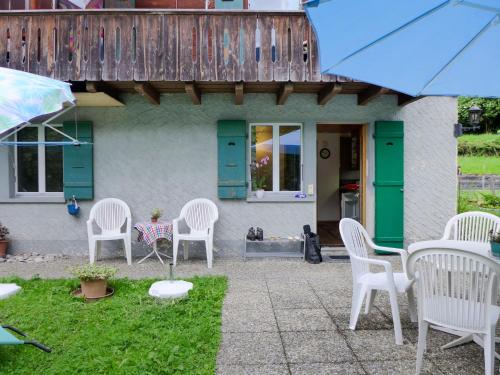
(354, 237)
(110, 214)
(455, 287)
(199, 214)
(471, 226)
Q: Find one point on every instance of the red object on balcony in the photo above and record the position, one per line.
(170, 4)
(350, 187)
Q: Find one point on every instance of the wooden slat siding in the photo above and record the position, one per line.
(249, 67)
(85, 47)
(281, 66)
(297, 65)
(124, 66)
(265, 70)
(15, 26)
(48, 49)
(206, 56)
(141, 53)
(155, 49)
(4, 25)
(171, 40)
(186, 63)
(32, 44)
(94, 66)
(232, 65)
(109, 63)
(313, 61)
(64, 23)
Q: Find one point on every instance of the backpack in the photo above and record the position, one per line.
(312, 246)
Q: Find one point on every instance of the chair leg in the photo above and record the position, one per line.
(423, 327)
(357, 304)
(98, 250)
(175, 248)
(489, 352)
(186, 250)
(92, 246)
(128, 250)
(395, 317)
(370, 297)
(208, 246)
(412, 306)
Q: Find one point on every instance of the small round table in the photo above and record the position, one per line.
(150, 233)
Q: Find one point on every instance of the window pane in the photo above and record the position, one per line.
(290, 163)
(27, 161)
(53, 162)
(262, 157)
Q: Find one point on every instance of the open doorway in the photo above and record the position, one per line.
(340, 167)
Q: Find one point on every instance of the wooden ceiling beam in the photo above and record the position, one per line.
(285, 90)
(328, 92)
(239, 93)
(371, 93)
(194, 92)
(94, 87)
(148, 91)
(404, 99)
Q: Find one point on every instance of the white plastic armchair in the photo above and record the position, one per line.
(457, 290)
(471, 226)
(110, 215)
(200, 216)
(367, 283)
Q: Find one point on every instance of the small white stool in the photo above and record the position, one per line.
(7, 290)
(170, 289)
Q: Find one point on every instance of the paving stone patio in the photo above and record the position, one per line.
(289, 317)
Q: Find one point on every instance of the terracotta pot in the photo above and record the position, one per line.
(154, 220)
(4, 244)
(94, 288)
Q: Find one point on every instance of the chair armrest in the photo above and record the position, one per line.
(377, 262)
(175, 225)
(403, 253)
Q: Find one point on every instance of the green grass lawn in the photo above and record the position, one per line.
(479, 164)
(129, 333)
(478, 201)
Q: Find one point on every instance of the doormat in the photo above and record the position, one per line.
(339, 258)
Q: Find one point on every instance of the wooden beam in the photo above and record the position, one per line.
(404, 99)
(148, 91)
(94, 87)
(194, 92)
(239, 93)
(328, 92)
(284, 92)
(371, 93)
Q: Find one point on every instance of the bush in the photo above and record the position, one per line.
(4, 232)
(487, 145)
(93, 272)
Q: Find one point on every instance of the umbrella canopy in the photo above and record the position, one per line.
(24, 96)
(424, 47)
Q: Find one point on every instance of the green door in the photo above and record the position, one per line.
(389, 183)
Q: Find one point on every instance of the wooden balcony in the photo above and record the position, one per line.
(214, 50)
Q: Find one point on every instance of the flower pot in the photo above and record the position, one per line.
(154, 220)
(259, 193)
(4, 244)
(495, 249)
(94, 288)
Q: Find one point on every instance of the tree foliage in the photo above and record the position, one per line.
(490, 121)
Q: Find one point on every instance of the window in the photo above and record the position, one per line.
(276, 157)
(39, 168)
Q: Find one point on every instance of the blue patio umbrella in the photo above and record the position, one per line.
(417, 47)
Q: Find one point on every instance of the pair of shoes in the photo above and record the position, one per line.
(252, 236)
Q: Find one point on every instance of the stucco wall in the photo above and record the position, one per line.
(162, 156)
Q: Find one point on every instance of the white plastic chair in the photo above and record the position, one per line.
(456, 291)
(471, 226)
(200, 216)
(110, 215)
(367, 283)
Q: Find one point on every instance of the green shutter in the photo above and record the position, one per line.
(78, 162)
(231, 151)
(389, 183)
(229, 4)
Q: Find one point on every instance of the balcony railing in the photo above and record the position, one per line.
(134, 45)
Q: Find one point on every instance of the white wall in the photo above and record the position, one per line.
(328, 177)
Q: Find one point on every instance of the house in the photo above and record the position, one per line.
(180, 104)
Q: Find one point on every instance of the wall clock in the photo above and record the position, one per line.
(324, 153)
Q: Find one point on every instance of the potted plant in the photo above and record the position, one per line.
(94, 279)
(155, 215)
(4, 242)
(495, 243)
(259, 176)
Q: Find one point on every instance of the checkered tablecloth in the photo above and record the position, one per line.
(150, 232)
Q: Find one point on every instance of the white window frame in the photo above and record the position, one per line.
(276, 156)
(41, 169)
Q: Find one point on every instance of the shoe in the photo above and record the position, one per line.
(251, 234)
(260, 234)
